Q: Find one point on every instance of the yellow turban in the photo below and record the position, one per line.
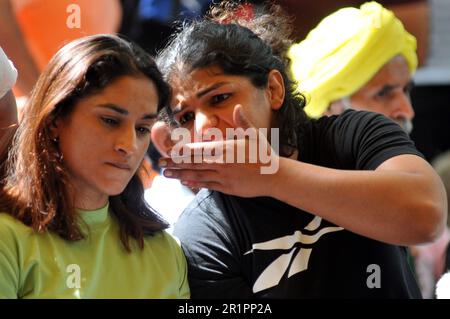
(345, 51)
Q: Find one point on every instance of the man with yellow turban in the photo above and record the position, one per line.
(357, 58)
(364, 59)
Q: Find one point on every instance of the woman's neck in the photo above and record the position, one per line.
(90, 201)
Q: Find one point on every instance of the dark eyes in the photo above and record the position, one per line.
(387, 90)
(408, 88)
(142, 130)
(186, 117)
(214, 100)
(383, 92)
(219, 98)
(111, 122)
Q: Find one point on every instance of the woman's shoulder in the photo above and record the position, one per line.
(167, 247)
(349, 116)
(9, 223)
(164, 240)
(164, 236)
(13, 233)
(352, 124)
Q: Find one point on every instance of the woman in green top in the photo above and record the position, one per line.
(74, 221)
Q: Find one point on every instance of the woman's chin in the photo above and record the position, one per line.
(114, 190)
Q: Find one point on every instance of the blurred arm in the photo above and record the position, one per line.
(13, 43)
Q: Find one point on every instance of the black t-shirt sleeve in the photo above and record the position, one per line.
(211, 251)
(359, 140)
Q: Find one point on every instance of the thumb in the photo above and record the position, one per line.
(239, 118)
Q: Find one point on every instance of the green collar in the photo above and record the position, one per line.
(94, 217)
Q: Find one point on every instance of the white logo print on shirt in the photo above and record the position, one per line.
(272, 275)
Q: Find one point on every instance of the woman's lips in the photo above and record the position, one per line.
(119, 165)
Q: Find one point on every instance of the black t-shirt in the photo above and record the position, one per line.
(261, 247)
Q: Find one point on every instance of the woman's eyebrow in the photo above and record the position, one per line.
(114, 108)
(211, 88)
(124, 111)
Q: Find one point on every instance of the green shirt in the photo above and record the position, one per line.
(46, 266)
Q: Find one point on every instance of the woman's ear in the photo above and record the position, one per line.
(275, 89)
(160, 136)
(54, 128)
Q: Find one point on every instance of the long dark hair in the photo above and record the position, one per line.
(35, 182)
(224, 39)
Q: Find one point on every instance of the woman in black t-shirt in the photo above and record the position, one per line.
(337, 197)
